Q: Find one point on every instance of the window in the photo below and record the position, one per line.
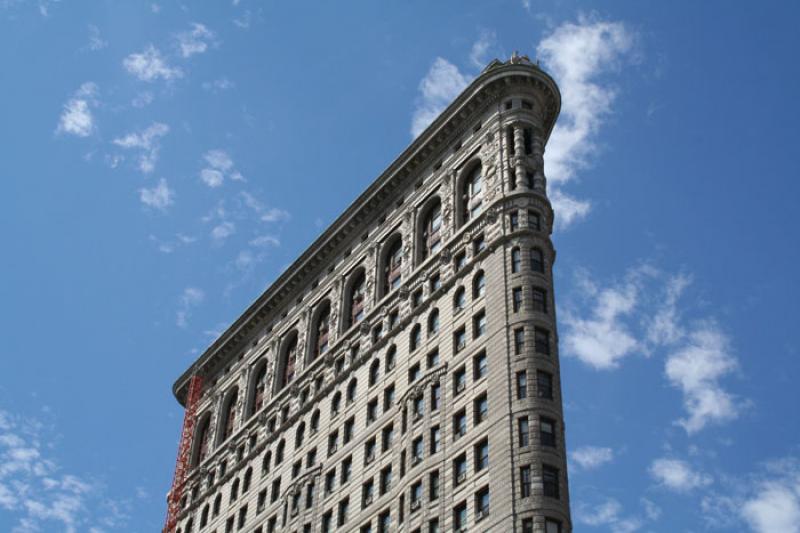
(260, 385)
(377, 333)
(314, 424)
(478, 244)
(289, 360)
(471, 195)
(392, 265)
(459, 299)
(333, 442)
(542, 341)
(537, 260)
(519, 341)
(433, 358)
(242, 517)
(415, 338)
(347, 469)
(550, 481)
(460, 424)
(435, 439)
(387, 437)
(356, 299)
(415, 495)
(203, 436)
(436, 282)
(204, 515)
(523, 431)
(482, 455)
(248, 478)
(336, 404)
(513, 220)
(386, 480)
(229, 420)
(547, 431)
(384, 522)
(459, 339)
(391, 358)
(460, 517)
(322, 330)
(459, 381)
(369, 450)
(417, 450)
(344, 507)
(431, 240)
(479, 324)
(516, 299)
(372, 410)
(478, 284)
(367, 493)
(394, 316)
(544, 385)
(516, 260)
(436, 396)
(460, 469)
(433, 323)
(217, 505)
(276, 490)
(480, 366)
(351, 390)
(418, 407)
(522, 385)
(416, 298)
(413, 373)
(525, 481)
(539, 300)
(299, 434)
(330, 481)
(433, 485)
(388, 397)
(534, 221)
(349, 429)
(327, 520)
(234, 490)
(311, 457)
(480, 408)
(481, 503)
(460, 260)
(552, 526)
(374, 372)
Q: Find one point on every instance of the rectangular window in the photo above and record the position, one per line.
(527, 525)
(459, 424)
(480, 408)
(459, 381)
(330, 481)
(262, 501)
(459, 339)
(542, 341)
(369, 450)
(416, 298)
(418, 407)
(333, 442)
(347, 469)
(436, 396)
(372, 410)
(550, 481)
(460, 469)
(433, 485)
(435, 439)
(433, 358)
(478, 245)
(417, 451)
(482, 504)
(367, 493)
(388, 397)
(460, 517)
(386, 480)
(522, 385)
(327, 520)
(413, 373)
(344, 507)
(544, 385)
(534, 221)
(480, 366)
(547, 431)
(516, 299)
(349, 428)
(479, 324)
(384, 522)
(482, 455)
(311, 457)
(519, 341)
(523, 431)
(436, 282)
(513, 220)
(276, 490)
(539, 300)
(387, 437)
(516, 260)
(415, 495)
(525, 481)
(550, 526)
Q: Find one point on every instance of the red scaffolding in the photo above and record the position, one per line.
(184, 451)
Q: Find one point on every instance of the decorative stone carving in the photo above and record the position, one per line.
(445, 256)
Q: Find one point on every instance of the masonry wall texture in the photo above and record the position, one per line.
(444, 268)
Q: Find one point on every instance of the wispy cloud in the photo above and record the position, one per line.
(158, 197)
(96, 42)
(607, 512)
(194, 41)
(678, 475)
(591, 457)
(76, 117)
(218, 85)
(577, 54)
(149, 65)
(143, 99)
(222, 231)
(480, 53)
(147, 142)
(220, 166)
(438, 88)
(190, 298)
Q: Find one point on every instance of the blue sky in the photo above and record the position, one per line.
(163, 162)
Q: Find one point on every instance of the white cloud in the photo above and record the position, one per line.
(678, 475)
(194, 41)
(664, 327)
(219, 159)
(223, 230)
(576, 54)
(211, 177)
(274, 214)
(479, 54)
(220, 166)
(150, 65)
(218, 85)
(438, 88)
(77, 118)
(146, 141)
(159, 197)
(96, 42)
(603, 339)
(696, 369)
(607, 513)
(265, 240)
(189, 299)
(775, 508)
(143, 99)
(591, 457)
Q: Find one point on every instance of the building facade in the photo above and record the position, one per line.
(403, 373)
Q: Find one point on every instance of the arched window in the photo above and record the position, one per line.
(320, 332)
(279, 452)
(248, 477)
(229, 415)
(430, 235)
(351, 390)
(259, 388)
(478, 284)
(217, 504)
(336, 403)
(204, 516)
(471, 195)
(537, 260)
(265, 464)
(201, 438)
(288, 360)
(299, 435)
(314, 424)
(189, 525)
(459, 299)
(433, 322)
(234, 490)
(392, 262)
(516, 258)
(374, 372)
(391, 357)
(355, 298)
(415, 338)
